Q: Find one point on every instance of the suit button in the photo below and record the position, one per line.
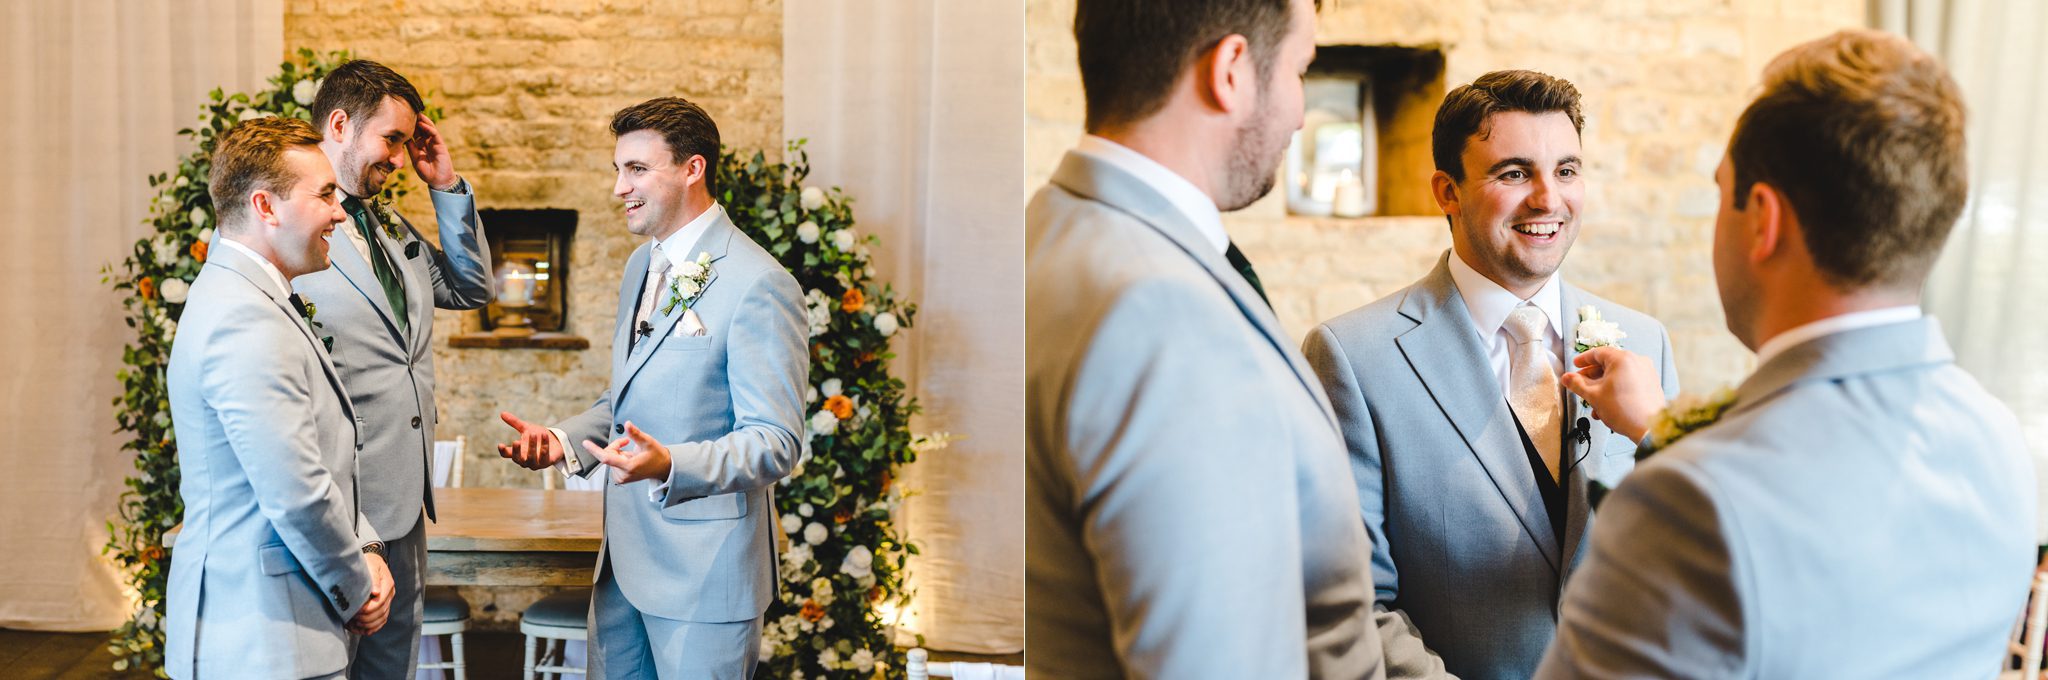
(415, 422)
(619, 429)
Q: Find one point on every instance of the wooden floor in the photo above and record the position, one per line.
(30, 655)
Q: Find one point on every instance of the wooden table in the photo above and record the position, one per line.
(514, 537)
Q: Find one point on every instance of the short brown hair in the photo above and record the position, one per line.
(1863, 134)
(1132, 51)
(1465, 111)
(359, 87)
(249, 157)
(688, 130)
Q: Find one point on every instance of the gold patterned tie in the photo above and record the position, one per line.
(1532, 384)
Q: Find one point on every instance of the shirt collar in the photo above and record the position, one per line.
(1197, 207)
(678, 245)
(1490, 304)
(1832, 325)
(261, 261)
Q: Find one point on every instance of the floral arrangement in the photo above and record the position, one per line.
(845, 561)
(155, 278)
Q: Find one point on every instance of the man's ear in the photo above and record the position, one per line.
(1225, 75)
(335, 127)
(1766, 222)
(1445, 191)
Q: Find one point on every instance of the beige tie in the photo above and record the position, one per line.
(1532, 384)
(651, 293)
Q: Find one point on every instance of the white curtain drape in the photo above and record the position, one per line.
(916, 108)
(96, 92)
(1989, 287)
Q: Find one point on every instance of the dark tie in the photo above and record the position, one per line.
(1244, 269)
(387, 275)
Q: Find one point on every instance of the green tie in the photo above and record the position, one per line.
(1244, 269)
(387, 274)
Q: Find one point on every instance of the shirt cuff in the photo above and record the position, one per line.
(570, 464)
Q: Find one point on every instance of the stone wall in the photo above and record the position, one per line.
(528, 87)
(1662, 80)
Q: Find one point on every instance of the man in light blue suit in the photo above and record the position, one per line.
(1474, 470)
(377, 304)
(1188, 512)
(1864, 509)
(276, 564)
(709, 368)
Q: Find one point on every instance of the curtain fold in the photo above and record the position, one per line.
(97, 90)
(916, 108)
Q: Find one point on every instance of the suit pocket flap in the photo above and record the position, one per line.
(277, 560)
(722, 506)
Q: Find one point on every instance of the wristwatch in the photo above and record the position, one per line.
(374, 548)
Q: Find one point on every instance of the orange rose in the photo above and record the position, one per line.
(199, 250)
(842, 517)
(865, 357)
(145, 288)
(852, 301)
(812, 612)
(840, 406)
(875, 594)
(885, 480)
(152, 554)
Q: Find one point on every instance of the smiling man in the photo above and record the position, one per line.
(703, 416)
(1472, 469)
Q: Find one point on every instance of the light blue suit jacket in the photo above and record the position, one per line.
(390, 373)
(1188, 511)
(1864, 511)
(1462, 543)
(269, 564)
(729, 405)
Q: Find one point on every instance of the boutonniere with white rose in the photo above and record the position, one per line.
(1594, 331)
(386, 218)
(1683, 417)
(688, 282)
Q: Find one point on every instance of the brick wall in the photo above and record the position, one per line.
(1662, 80)
(528, 87)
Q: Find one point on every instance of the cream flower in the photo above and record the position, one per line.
(791, 524)
(842, 240)
(303, 91)
(805, 509)
(859, 562)
(863, 660)
(831, 388)
(885, 323)
(823, 423)
(199, 217)
(174, 289)
(812, 198)
(807, 232)
(814, 533)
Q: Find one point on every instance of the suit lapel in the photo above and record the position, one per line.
(630, 286)
(233, 260)
(1101, 182)
(406, 277)
(716, 238)
(349, 261)
(1584, 435)
(1445, 353)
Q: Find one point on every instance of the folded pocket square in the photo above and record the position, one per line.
(690, 325)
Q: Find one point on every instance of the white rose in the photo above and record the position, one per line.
(843, 240)
(198, 216)
(180, 184)
(812, 198)
(829, 658)
(814, 533)
(791, 524)
(690, 270)
(807, 232)
(1597, 333)
(885, 323)
(767, 648)
(859, 562)
(303, 91)
(167, 251)
(689, 287)
(206, 236)
(799, 554)
(821, 590)
(805, 509)
(811, 394)
(249, 114)
(863, 660)
(831, 388)
(861, 251)
(823, 423)
(174, 290)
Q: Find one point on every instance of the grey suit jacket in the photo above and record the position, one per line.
(1188, 511)
(390, 373)
(729, 405)
(1864, 511)
(269, 565)
(1462, 543)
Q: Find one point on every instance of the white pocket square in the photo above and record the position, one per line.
(690, 325)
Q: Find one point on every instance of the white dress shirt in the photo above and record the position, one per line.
(1196, 206)
(261, 261)
(1832, 325)
(1490, 304)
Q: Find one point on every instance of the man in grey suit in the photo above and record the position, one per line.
(1188, 514)
(1474, 470)
(377, 304)
(276, 564)
(708, 356)
(1864, 509)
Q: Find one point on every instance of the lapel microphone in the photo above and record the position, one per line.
(645, 329)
